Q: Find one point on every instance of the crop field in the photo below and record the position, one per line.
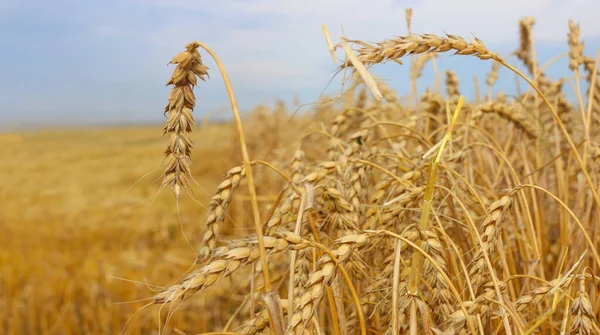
(372, 212)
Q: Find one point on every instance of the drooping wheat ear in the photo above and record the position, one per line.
(492, 77)
(490, 233)
(538, 294)
(509, 113)
(179, 117)
(417, 44)
(452, 86)
(227, 262)
(583, 319)
(525, 51)
(217, 209)
(314, 289)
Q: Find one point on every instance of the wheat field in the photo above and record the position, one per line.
(373, 212)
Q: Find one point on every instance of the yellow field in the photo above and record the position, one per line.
(74, 222)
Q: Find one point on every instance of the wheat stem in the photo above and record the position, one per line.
(249, 176)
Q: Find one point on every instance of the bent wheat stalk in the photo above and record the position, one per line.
(251, 186)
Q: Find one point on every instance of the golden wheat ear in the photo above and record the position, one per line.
(180, 119)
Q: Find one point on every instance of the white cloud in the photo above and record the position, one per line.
(284, 47)
(497, 21)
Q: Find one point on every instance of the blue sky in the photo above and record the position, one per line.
(81, 61)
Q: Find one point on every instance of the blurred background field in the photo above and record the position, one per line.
(73, 221)
(86, 234)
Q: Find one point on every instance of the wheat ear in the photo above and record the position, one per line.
(179, 117)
